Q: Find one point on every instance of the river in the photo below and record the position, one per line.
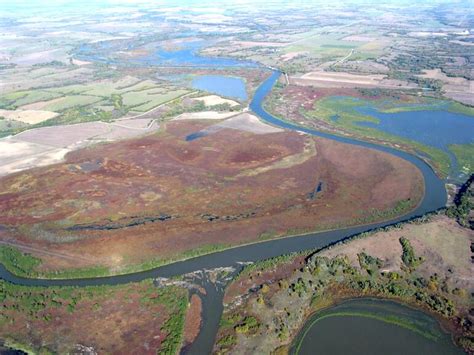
(434, 199)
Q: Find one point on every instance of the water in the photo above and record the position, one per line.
(435, 128)
(222, 85)
(438, 128)
(187, 55)
(196, 135)
(359, 334)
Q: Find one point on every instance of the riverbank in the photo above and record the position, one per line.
(423, 264)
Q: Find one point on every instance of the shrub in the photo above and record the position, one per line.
(249, 324)
(408, 255)
(227, 341)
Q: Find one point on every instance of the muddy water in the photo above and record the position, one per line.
(371, 327)
(434, 198)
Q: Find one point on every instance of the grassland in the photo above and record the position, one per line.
(17, 99)
(133, 317)
(148, 99)
(465, 156)
(424, 263)
(69, 102)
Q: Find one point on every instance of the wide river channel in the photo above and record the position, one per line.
(434, 199)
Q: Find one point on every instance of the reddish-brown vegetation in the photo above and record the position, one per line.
(192, 323)
(113, 320)
(161, 195)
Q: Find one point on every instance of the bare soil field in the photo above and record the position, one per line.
(49, 145)
(459, 89)
(28, 116)
(248, 122)
(204, 115)
(211, 100)
(347, 80)
(159, 196)
(291, 55)
(251, 44)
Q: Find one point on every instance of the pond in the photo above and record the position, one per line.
(228, 86)
(369, 326)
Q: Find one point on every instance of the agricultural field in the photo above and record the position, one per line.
(429, 53)
(48, 145)
(112, 97)
(261, 182)
(425, 263)
(105, 99)
(64, 319)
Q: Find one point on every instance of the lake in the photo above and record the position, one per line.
(370, 327)
(435, 128)
(188, 55)
(228, 86)
(185, 55)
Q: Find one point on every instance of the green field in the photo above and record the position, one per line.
(100, 100)
(158, 99)
(333, 46)
(71, 102)
(465, 156)
(14, 100)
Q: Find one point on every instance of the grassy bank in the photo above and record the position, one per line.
(56, 319)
